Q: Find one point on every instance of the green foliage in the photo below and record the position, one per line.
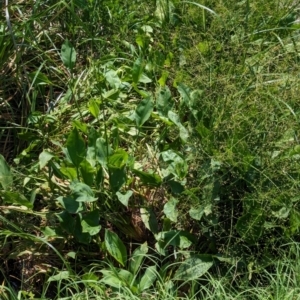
(115, 247)
(6, 178)
(173, 125)
(68, 55)
(193, 268)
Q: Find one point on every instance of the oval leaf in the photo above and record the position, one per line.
(76, 147)
(6, 178)
(82, 192)
(170, 209)
(44, 158)
(90, 222)
(143, 111)
(137, 70)
(137, 258)
(68, 54)
(148, 279)
(149, 219)
(115, 247)
(193, 268)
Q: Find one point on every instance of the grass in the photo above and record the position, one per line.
(282, 283)
(174, 123)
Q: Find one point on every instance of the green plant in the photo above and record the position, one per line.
(174, 123)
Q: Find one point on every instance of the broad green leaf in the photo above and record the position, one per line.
(147, 29)
(186, 240)
(169, 59)
(117, 178)
(148, 278)
(115, 279)
(170, 156)
(149, 219)
(118, 159)
(111, 94)
(71, 254)
(137, 258)
(126, 277)
(176, 187)
(6, 178)
(170, 209)
(161, 248)
(144, 78)
(90, 222)
(82, 192)
(115, 247)
(147, 178)
(176, 164)
(81, 126)
(167, 224)
(87, 172)
(71, 173)
(196, 213)
(56, 170)
(294, 221)
(60, 276)
(67, 222)
(113, 79)
(175, 238)
(91, 279)
(91, 149)
(79, 234)
(44, 158)
(185, 93)
(103, 150)
(124, 198)
(76, 147)
(137, 70)
(94, 108)
(15, 198)
(68, 55)
(70, 204)
(282, 213)
(183, 133)
(90, 276)
(163, 78)
(193, 268)
(164, 102)
(143, 111)
(111, 279)
(250, 227)
(48, 232)
(180, 239)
